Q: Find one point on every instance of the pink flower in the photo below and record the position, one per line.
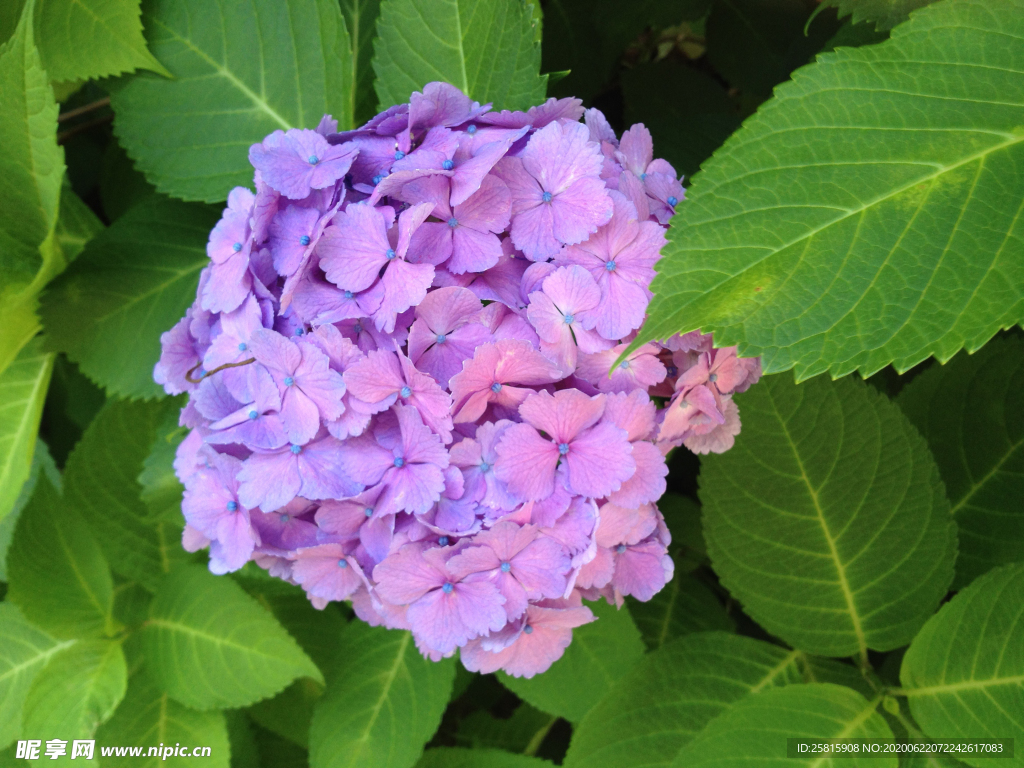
(444, 334)
(493, 374)
(596, 456)
(445, 609)
(534, 644)
(564, 311)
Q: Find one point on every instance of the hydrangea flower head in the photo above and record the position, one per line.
(404, 380)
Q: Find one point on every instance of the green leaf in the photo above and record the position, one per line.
(523, 730)
(132, 282)
(685, 605)
(56, 572)
(148, 717)
(88, 39)
(964, 673)
(383, 701)
(361, 20)
(251, 67)
(24, 650)
(453, 757)
(22, 393)
(668, 698)
(290, 712)
(31, 165)
(827, 520)
(209, 645)
(78, 690)
(121, 186)
(161, 491)
(42, 462)
(885, 13)
(244, 752)
(485, 48)
(869, 214)
(100, 483)
(757, 727)
(76, 224)
(600, 654)
(971, 412)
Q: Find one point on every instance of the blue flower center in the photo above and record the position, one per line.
(496, 387)
(453, 222)
(621, 548)
(546, 197)
(285, 518)
(671, 370)
(357, 328)
(405, 392)
(471, 129)
(447, 587)
(377, 179)
(242, 347)
(236, 247)
(304, 239)
(232, 506)
(390, 253)
(313, 159)
(624, 365)
(368, 511)
(569, 319)
(528, 630)
(443, 541)
(343, 563)
(299, 331)
(348, 294)
(506, 566)
(485, 467)
(399, 154)
(610, 266)
(441, 338)
(201, 373)
(673, 201)
(296, 449)
(563, 448)
(713, 378)
(684, 403)
(447, 165)
(643, 177)
(399, 461)
(288, 381)
(253, 414)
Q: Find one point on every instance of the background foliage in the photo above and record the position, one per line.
(855, 566)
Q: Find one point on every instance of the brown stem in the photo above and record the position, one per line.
(65, 135)
(188, 376)
(98, 104)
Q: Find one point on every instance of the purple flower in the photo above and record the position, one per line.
(297, 161)
(212, 507)
(522, 564)
(467, 234)
(557, 195)
(596, 456)
(476, 458)
(409, 464)
(444, 334)
(357, 248)
(621, 258)
(445, 609)
(564, 311)
(382, 378)
(328, 572)
(178, 356)
(249, 416)
(309, 388)
(640, 370)
(272, 479)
